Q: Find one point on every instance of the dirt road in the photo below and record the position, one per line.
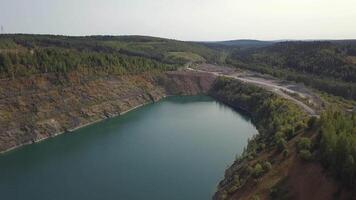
(299, 94)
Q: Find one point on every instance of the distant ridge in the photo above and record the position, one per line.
(251, 43)
(245, 43)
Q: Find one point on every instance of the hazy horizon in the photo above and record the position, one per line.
(188, 20)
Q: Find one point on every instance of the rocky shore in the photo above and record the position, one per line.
(33, 109)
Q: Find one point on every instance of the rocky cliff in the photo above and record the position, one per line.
(35, 108)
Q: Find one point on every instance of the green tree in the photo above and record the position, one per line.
(305, 155)
(5, 62)
(304, 144)
(257, 170)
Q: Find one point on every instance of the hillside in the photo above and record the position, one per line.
(242, 43)
(43, 106)
(51, 85)
(22, 55)
(324, 65)
(292, 152)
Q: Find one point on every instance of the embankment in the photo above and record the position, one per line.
(281, 161)
(43, 106)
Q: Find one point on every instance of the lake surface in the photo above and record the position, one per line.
(175, 149)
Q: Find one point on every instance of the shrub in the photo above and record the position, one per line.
(262, 146)
(249, 170)
(232, 189)
(255, 197)
(257, 170)
(236, 181)
(291, 133)
(312, 122)
(285, 153)
(304, 144)
(281, 144)
(279, 135)
(280, 191)
(223, 195)
(305, 155)
(267, 166)
(300, 126)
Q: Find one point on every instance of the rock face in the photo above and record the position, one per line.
(35, 108)
(187, 83)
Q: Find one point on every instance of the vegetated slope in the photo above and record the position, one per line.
(53, 84)
(22, 55)
(243, 43)
(327, 66)
(41, 106)
(338, 144)
(292, 153)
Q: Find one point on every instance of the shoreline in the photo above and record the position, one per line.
(81, 126)
(69, 131)
(113, 116)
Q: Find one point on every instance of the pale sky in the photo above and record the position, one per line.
(184, 19)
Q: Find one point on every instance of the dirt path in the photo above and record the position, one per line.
(296, 93)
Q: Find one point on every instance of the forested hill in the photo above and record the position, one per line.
(329, 66)
(318, 58)
(241, 43)
(326, 65)
(22, 55)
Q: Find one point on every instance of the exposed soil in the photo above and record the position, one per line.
(297, 93)
(35, 108)
(300, 180)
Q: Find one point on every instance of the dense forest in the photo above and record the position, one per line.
(22, 55)
(329, 140)
(338, 144)
(325, 65)
(329, 66)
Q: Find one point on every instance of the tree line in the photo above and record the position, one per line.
(270, 113)
(338, 144)
(54, 60)
(277, 120)
(323, 65)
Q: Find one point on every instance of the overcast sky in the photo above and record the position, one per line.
(184, 19)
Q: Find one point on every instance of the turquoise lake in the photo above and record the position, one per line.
(176, 149)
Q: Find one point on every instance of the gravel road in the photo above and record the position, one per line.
(300, 95)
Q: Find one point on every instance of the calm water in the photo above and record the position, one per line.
(177, 148)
